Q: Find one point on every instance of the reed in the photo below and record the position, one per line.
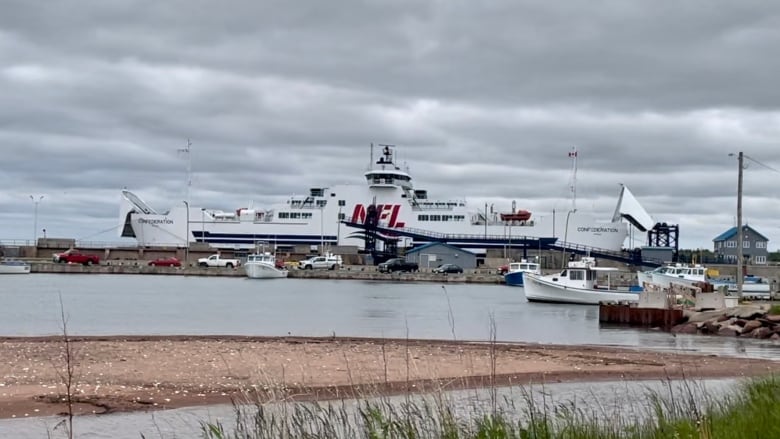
(682, 410)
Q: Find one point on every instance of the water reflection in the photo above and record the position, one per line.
(613, 400)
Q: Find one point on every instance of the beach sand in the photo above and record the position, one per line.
(112, 374)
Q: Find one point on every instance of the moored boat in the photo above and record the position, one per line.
(264, 266)
(14, 267)
(514, 277)
(577, 284)
(676, 273)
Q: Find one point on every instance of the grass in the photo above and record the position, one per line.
(681, 411)
(774, 310)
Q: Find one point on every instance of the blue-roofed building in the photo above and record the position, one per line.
(436, 253)
(754, 246)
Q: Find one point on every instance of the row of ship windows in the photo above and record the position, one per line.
(294, 215)
(745, 244)
(441, 217)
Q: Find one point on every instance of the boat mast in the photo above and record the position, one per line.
(573, 183)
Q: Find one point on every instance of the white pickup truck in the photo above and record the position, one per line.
(217, 261)
(327, 262)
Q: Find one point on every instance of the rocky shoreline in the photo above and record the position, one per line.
(746, 321)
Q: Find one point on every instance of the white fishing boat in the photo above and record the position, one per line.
(14, 267)
(264, 266)
(578, 284)
(328, 216)
(514, 277)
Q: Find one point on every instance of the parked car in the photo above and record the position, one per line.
(218, 261)
(504, 269)
(396, 264)
(448, 268)
(329, 262)
(72, 256)
(165, 262)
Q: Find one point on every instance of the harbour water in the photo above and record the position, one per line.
(166, 305)
(172, 305)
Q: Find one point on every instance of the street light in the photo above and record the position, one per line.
(187, 236)
(35, 217)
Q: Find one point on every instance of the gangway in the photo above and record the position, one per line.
(422, 236)
(631, 257)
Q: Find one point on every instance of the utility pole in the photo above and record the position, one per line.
(740, 244)
(187, 236)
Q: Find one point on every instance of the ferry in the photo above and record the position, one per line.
(330, 216)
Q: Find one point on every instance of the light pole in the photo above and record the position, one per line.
(187, 236)
(35, 217)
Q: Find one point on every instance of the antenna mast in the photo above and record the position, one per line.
(573, 157)
(186, 150)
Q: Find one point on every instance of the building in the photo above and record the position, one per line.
(754, 246)
(436, 253)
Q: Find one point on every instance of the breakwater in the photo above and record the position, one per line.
(485, 276)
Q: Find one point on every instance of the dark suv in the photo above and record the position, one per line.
(448, 268)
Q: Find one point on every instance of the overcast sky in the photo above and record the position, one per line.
(483, 99)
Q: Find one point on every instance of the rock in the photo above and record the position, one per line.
(741, 322)
(747, 312)
(773, 318)
(712, 327)
(729, 330)
(723, 318)
(762, 332)
(750, 326)
(767, 322)
(775, 336)
(696, 317)
(684, 328)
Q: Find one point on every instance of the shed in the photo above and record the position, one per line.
(436, 253)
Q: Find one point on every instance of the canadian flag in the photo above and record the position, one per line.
(573, 153)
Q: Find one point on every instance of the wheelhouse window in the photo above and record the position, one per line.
(577, 274)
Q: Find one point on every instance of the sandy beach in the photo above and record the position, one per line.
(112, 374)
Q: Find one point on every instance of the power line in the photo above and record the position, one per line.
(760, 163)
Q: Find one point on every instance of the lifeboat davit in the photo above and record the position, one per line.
(520, 215)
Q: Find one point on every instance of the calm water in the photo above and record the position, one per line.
(610, 401)
(143, 304)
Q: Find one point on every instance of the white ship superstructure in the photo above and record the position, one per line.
(317, 218)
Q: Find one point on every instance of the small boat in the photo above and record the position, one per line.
(674, 273)
(520, 215)
(752, 286)
(14, 267)
(264, 266)
(578, 284)
(514, 276)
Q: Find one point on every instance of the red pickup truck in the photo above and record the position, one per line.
(75, 257)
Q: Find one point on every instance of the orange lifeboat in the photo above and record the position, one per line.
(520, 215)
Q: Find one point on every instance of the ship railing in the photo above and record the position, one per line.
(447, 236)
